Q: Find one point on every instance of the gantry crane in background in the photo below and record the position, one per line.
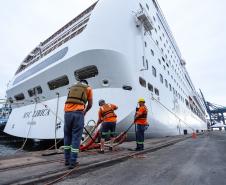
(215, 112)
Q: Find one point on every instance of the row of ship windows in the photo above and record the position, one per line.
(177, 72)
(167, 85)
(53, 84)
(152, 89)
(173, 54)
(163, 35)
(154, 72)
(177, 68)
(60, 82)
(165, 45)
(150, 86)
(143, 83)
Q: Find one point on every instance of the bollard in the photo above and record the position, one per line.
(194, 136)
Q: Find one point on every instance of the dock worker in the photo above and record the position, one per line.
(108, 118)
(141, 123)
(75, 109)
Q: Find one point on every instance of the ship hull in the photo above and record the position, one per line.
(119, 49)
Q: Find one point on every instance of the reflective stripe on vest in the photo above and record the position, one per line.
(107, 111)
(77, 94)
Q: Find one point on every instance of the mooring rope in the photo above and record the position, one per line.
(188, 125)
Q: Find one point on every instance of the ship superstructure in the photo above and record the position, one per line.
(129, 51)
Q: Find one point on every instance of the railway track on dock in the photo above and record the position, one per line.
(30, 164)
(53, 170)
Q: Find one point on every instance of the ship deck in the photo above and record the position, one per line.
(171, 160)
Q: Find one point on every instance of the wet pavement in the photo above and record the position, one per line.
(200, 161)
(47, 166)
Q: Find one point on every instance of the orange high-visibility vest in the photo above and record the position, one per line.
(142, 118)
(107, 111)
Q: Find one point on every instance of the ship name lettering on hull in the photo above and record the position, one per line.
(37, 113)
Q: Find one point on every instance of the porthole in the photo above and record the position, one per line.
(127, 87)
(105, 83)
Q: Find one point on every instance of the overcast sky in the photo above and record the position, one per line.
(199, 28)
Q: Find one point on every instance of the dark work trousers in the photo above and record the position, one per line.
(107, 129)
(140, 136)
(73, 129)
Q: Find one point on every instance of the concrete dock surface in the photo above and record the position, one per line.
(171, 160)
(200, 161)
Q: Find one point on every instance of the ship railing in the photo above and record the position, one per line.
(53, 47)
(76, 19)
(66, 32)
(57, 43)
(42, 48)
(46, 46)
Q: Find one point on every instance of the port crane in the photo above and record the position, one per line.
(215, 112)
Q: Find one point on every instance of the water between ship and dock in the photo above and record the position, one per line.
(7, 149)
(10, 145)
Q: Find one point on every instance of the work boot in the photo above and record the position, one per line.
(72, 166)
(138, 149)
(101, 152)
(66, 163)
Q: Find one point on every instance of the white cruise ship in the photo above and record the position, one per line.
(128, 51)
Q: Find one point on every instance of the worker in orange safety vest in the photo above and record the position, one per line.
(141, 123)
(108, 118)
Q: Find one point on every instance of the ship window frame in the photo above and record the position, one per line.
(157, 42)
(161, 78)
(159, 61)
(146, 66)
(152, 52)
(187, 103)
(166, 83)
(150, 87)
(58, 82)
(19, 97)
(34, 91)
(86, 72)
(154, 71)
(142, 82)
(156, 91)
(170, 86)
